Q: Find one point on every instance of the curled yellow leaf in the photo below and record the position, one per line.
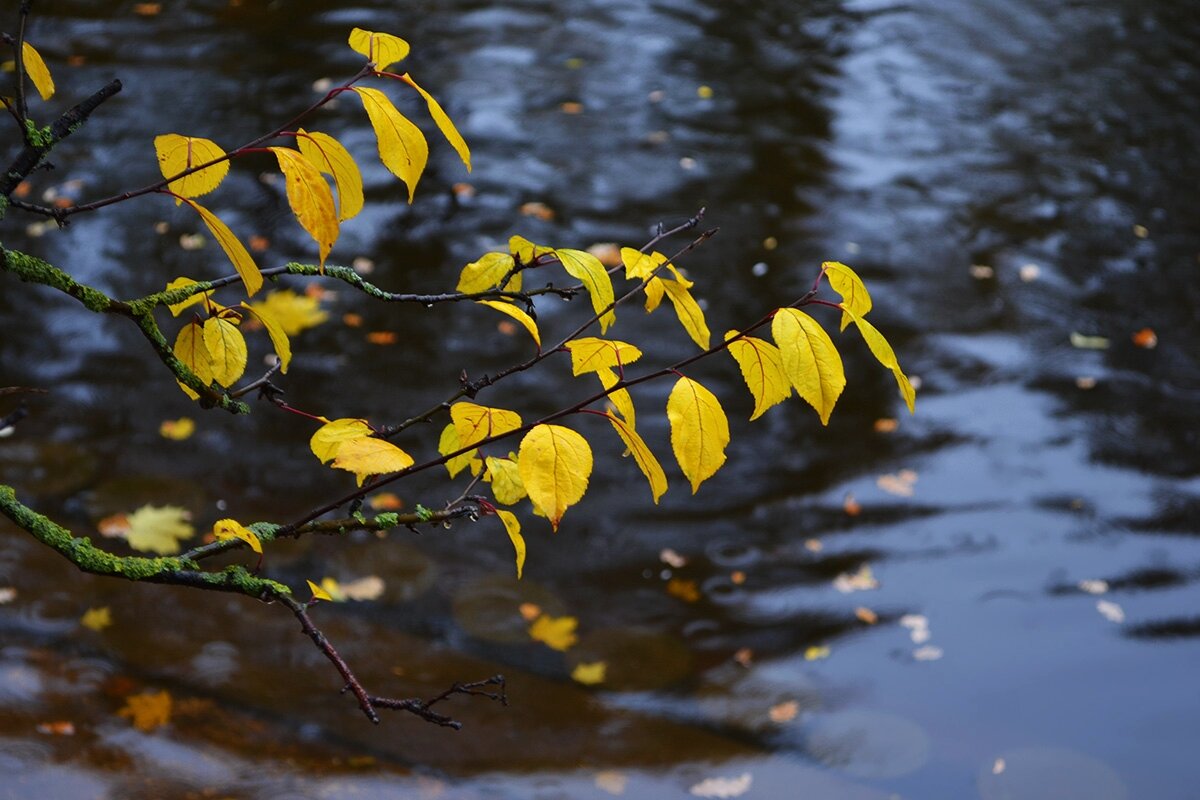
(885, 355)
(447, 444)
(235, 251)
(618, 397)
(37, 70)
(193, 352)
(279, 339)
(846, 282)
(593, 354)
(691, 316)
(381, 49)
(526, 251)
(555, 464)
(444, 123)
(513, 527)
(371, 456)
(810, 360)
(761, 364)
(518, 314)
(226, 349)
(318, 593)
(232, 529)
(642, 456)
(505, 478)
(474, 423)
(178, 154)
(699, 430)
(329, 157)
(329, 438)
(402, 146)
(591, 273)
(309, 196)
(486, 273)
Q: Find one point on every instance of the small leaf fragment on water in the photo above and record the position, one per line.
(177, 429)
(96, 618)
(148, 710)
(385, 501)
(1146, 338)
(927, 653)
(859, 581)
(56, 728)
(557, 633)
(1093, 586)
(899, 484)
(590, 673)
(723, 787)
(671, 558)
(367, 588)
(1111, 611)
(851, 506)
(866, 615)
(685, 590)
(744, 656)
(784, 712)
(7, 594)
(611, 781)
(1084, 342)
(529, 611)
(816, 653)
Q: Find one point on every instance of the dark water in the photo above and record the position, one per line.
(1053, 142)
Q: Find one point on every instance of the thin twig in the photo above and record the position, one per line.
(19, 59)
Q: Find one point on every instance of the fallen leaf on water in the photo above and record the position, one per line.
(159, 529)
(685, 590)
(557, 633)
(851, 506)
(23, 189)
(609, 253)
(382, 337)
(737, 577)
(998, 766)
(671, 558)
(1093, 587)
(529, 611)
(537, 211)
(177, 429)
(1111, 611)
(813, 545)
(571, 108)
(704, 92)
(899, 484)
(294, 312)
(1085, 382)
(385, 501)
(927, 653)
(363, 265)
(1029, 272)
(611, 781)
(147, 9)
(982, 272)
(191, 241)
(723, 787)
(866, 615)
(860, 581)
(744, 656)
(784, 712)
(1146, 338)
(148, 710)
(259, 244)
(113, 526)
(7, 594)
(1141, 231)
(886, 425)
(96, 618)
(1084, 342)
(816, 653)
(589, 674)
(463, 191)
(507, 328)
(369, 588)
(58, 728)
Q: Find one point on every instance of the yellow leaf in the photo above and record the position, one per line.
(293, 312)
(199, 297)
(526, 251)
(846, 282)
(158, 529)
(147, 710)
(193, 352)
(227, 349)
(886, 356)
(699, 430)
(689, 312)
(232, 529)
(234, 250)
(639, 266)
(557, 633)
(381, 49)
(279, 339)
(475, 423)
(587, 269)
(517, 314)
(333, 589)
(486, 273)
(329, 156)
(96, 618)
(448, 443)
(642, 455)
(506, 480)
(178, 154)
(177, 429)
(592, 354)
(371, 456)
(37, 70)
(329, 438)
(618, 397)
(762, 369)
(402, 146)
(445, 125)
(513, 527)
(311, 201)
(810, 360)
(318, 593)
(590, 673)
(555, 464)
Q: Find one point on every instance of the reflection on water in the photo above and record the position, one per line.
(1052, 144)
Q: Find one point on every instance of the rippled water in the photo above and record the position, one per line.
(1052, 142)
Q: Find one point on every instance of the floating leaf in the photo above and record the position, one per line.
(761, 364)
(178, 154)
(699, 430)
(555, 464)
(381, 49)
(330, 437)
(234, 250)
(369, 587)
(37, 70)
(193, 352)
(159, 529)
(506, 480)
(517, 314)
(642, 455)
(293, 312)
(402, 146)
(1110, 611)
(329, 157)
(1084, 342)
(845, 281)
(448, 443)
(486, 273)
(513, 527)
(810, 360)
(371, 456)
(199, 297)
(591, 273)
(227, 350)
(557, 633)
(685, 590)
(311, 201)
(691, 316)
(723, 787)
(96, 618)
(232, 529)
(444, 123)
(784, 712)
(177, 429)
(591, 354)
(279, 339)
(148, 710)
(475, 423)
(589, 673)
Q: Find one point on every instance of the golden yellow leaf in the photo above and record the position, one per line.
(158, 529)
(178, 154)
(555, 464)
(691, 316)
(685, 590)
(199, 297)
(699, 430)
(37, 70)
(810, 360)
(310, 198)
(589, 673)
(526, 251)
(329, 438)
(761, 364)
(96, 618)
(193, 352)
(619, 398)
(293, 312)
(906, 390)
(444, 123)
(232, 529)
(381, 49)
(147, 710)
(329, 156)
(371, 456)
(639, 266)
(591, 273)
(402, 146)
(448, 443)
(177, 429)
(557, 633)
(517, 314)
(279, 339)
(642, 455)
(513, 527)
(486, 273)
(592, 354)
(846, 282)
(234, 250)
(506, 480)
(227, 350)
(318, 593)
(475, 423)
(886, 356)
